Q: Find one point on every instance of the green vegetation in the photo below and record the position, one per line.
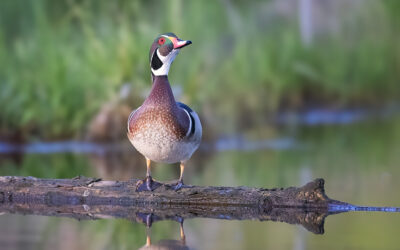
(61, 60)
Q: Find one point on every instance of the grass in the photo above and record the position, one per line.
(61, 60)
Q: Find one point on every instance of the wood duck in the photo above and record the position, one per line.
(161, 129)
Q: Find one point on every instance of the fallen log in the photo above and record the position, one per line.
(91, 191)
(90, 198)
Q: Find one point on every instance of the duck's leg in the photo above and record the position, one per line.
(147, 184)
(183, 237)
(148, 236)
(180, 181)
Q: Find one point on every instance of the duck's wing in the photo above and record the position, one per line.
(131, 117)
(194, 129)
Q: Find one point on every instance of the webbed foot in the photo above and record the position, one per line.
(178, 185)
(147, 184)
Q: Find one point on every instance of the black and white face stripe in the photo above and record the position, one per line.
(160, 64)
(156, 63)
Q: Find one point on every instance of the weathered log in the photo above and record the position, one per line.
(88, 198)
(89, 191)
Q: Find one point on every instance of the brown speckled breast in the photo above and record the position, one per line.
(156, 120)
(159, 118)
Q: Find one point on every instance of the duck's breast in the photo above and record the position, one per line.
(157, 134)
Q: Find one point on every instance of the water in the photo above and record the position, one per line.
(359, 163)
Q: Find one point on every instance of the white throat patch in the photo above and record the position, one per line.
(167, 61)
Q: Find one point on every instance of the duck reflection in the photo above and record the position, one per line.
(169, 244)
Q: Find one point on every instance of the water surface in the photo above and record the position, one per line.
(359, 162)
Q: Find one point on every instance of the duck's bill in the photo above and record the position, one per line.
(179, 44)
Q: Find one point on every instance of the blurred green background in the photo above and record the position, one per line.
(287, 91)
(60, 61)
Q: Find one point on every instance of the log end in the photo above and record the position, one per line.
(313, 192)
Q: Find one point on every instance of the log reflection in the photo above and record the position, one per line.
(310, 219)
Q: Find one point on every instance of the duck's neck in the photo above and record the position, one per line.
(161, 92)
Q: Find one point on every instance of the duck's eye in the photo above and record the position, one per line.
(161, 41)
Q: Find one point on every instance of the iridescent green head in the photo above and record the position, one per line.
(163, 52)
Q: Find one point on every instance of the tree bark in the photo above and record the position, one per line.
(89, 198)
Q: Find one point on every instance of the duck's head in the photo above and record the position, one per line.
(163, 52)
